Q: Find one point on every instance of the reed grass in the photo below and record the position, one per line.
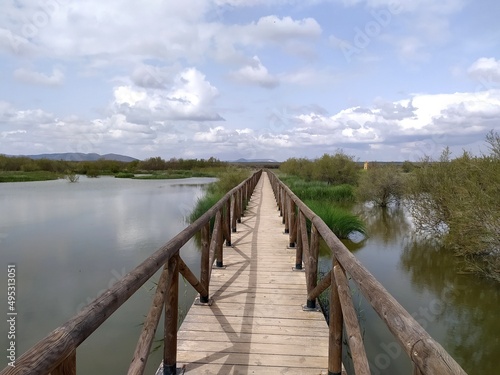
(19, 176)
(340, 221)
(318, 190)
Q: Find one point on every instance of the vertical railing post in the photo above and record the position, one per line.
(280, 200)
(227, 222)
(241, 208)
(234, 212)
(171, 316)
(286, 215)
(219, 263)
(312, 264)
(299, 247)
(335, 327)
(66, 367)
(292, 223)
(283, 205)
(205, 261)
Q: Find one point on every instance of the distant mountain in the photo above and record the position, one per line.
(78, 156)
(255, 161)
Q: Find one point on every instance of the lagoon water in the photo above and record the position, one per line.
(71, 241)
(460, 311)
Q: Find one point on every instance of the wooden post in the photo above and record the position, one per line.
(234, 212)
(171, 316)
(227, 222)
(292, 223)
(219, 263)
(143, 347)
(312, 265)
(353, 332)
(305, 239)
(66, 367)
(298, 249)
(335, 327)
(286, 215)
(284, 209)
(240, 205)
(205, 260)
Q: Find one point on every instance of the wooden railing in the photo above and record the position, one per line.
(428, 356)
(56, 353)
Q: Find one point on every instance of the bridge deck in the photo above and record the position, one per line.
(256, 324)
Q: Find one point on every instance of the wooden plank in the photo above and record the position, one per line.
(250, 327)
(254, 347)
(302, 336)
(254, 359)
(273, 322)
(256, 323)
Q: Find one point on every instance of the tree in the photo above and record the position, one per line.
(457, 200)
(336, 169)
(493, 140)
(381, 185)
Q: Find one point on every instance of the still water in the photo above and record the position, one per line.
(460, 311)
(71, 241)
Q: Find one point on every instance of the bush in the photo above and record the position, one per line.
(229, 179)
(381, 185)
(335, 169)
(457, 201)
(341, 222)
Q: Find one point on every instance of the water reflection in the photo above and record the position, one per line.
(458, 310)
(72, 241)
(464, 304)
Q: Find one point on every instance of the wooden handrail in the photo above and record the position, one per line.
(56, 352)
(428, 356)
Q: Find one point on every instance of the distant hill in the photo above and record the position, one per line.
(78, 156)
(255, 161)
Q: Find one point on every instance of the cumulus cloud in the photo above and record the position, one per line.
(37, 78)
(189, 97)
(450, 118)
(485, 68)
(255, 73)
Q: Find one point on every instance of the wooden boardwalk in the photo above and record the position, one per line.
(256, 324)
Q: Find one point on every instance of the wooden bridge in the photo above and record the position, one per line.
(257, 311)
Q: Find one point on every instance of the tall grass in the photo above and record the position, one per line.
(227, 179)
(19, 176)
(318, 190)
(340, 221)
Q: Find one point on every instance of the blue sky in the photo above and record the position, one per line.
(379, 79)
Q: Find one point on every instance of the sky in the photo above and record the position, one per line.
(386, 80)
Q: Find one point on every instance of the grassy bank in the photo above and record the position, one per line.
(166, 175)
(227, 179)
(324, 199)
(20, 176)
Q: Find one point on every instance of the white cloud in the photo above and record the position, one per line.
(257, 74)
(485, 68)
(37, 78)
(189, 97)
(453, 119)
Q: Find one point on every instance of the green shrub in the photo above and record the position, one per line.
(228, 179)
(457, 200)
(381, 185)
(340, 221)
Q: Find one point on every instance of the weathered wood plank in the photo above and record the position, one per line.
(256, 323)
